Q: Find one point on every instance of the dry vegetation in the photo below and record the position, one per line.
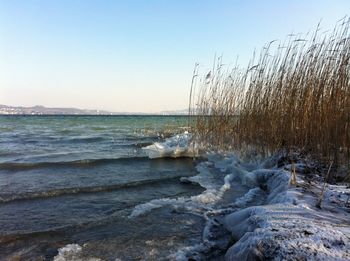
(294, 95)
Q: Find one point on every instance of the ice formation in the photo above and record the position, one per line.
(271, 221)
(180, 145)
(72, 252)
(287, 226)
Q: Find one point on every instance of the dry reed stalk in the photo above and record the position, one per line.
(293, 96)
(319, 202)
(293, 176)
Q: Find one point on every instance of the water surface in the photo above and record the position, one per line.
(78, 179)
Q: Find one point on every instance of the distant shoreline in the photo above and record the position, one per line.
(94, 115)
(42, 110)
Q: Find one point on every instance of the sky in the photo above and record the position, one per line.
(136, 55)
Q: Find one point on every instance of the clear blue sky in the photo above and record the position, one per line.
(135, 55)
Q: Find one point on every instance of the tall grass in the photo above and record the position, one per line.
(294, 95)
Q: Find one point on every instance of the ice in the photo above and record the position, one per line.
(68, 252)
(284, 232)
(212, 195)
(273, 220)
(214, 190)
(245, 220)
(339, 194)
(180, 145)
(287, 226)
(253, 196)
(72, 252)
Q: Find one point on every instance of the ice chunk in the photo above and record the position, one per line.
(284, 232)
(180, 145)
(72, 252)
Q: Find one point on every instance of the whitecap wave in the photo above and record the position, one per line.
(181, 145)
(72, 252)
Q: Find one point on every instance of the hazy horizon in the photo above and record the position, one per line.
(135, 56)
(79, 108)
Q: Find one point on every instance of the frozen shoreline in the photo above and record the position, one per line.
(286, 225)
(273, 220)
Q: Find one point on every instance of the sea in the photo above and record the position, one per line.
(82, 187)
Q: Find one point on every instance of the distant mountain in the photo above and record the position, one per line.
(41, 110)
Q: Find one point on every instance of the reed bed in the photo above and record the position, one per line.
(293, 96)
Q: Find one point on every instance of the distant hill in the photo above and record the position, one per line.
(41, 110)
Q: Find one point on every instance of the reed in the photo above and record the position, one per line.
(293, 96)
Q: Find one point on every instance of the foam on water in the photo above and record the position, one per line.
(217, 176)
(213, 193)
(72, 252)
(180, 145)
(154, 204)
(65, 179)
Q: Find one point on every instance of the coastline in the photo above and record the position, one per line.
(290, 226)
(274, 219)
(271, 220)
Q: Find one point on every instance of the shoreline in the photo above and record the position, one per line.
(271, 220)
(274, 219)
(286, 225)
(290, 226)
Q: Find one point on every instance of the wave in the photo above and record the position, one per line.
(82, 139)
(8, 154)
(106, 137)
(137, 144)
(143, 144)
(82, 190)
(17, 166)
(59, 230)
(180, 145)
